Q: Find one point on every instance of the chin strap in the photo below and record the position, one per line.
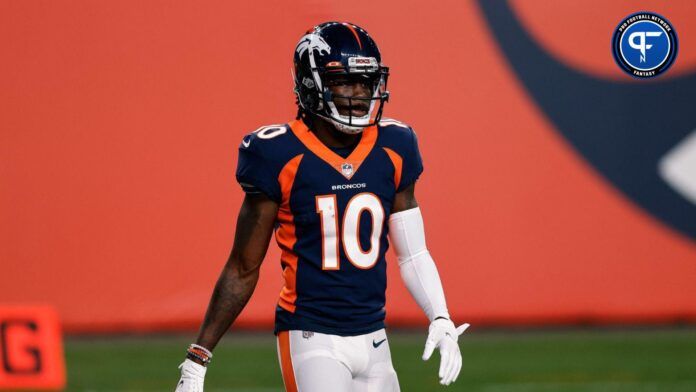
(351, 130)
(347, 128)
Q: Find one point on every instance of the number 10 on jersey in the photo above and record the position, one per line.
(349, 235)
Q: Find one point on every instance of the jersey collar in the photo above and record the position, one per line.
(346, 166)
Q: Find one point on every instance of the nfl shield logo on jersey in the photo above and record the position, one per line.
(347, 169)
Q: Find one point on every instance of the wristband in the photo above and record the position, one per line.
(201, 353)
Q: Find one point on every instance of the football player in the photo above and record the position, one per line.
(331, 185)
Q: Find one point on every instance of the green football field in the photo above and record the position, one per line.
(636, 360)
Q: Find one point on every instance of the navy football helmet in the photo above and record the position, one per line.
(339, 51)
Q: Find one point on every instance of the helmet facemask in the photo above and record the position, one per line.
(315, 95)
(372, 104)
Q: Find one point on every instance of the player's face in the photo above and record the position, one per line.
(351, 86)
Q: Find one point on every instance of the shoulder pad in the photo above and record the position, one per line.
(275, 143)
(390, 122)
(394, 132)
(265, 137)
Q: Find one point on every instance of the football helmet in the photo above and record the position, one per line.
(339, 51)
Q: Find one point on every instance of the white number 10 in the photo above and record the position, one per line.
(326, 208)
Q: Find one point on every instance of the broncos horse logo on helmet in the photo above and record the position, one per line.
(312, 42)
(334, 49)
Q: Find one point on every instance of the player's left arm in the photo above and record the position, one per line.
(419, 273)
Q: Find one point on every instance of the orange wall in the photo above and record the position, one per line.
(119, 124)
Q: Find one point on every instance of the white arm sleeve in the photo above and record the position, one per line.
(418, 270)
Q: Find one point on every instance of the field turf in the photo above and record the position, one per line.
(636, 360)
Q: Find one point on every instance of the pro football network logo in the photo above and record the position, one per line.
(644, 44)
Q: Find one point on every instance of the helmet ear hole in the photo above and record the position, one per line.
(305, 94)
(311, 101)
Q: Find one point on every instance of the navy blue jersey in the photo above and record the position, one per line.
(332, 220)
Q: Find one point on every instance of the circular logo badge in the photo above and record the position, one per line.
(644, 44)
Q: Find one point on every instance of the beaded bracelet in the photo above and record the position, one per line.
(201, 353)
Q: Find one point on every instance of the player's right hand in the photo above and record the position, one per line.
(192, 376)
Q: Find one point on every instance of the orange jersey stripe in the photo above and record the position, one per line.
(397, 161)
(286, 361)
(285, 235)
(356, 158)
